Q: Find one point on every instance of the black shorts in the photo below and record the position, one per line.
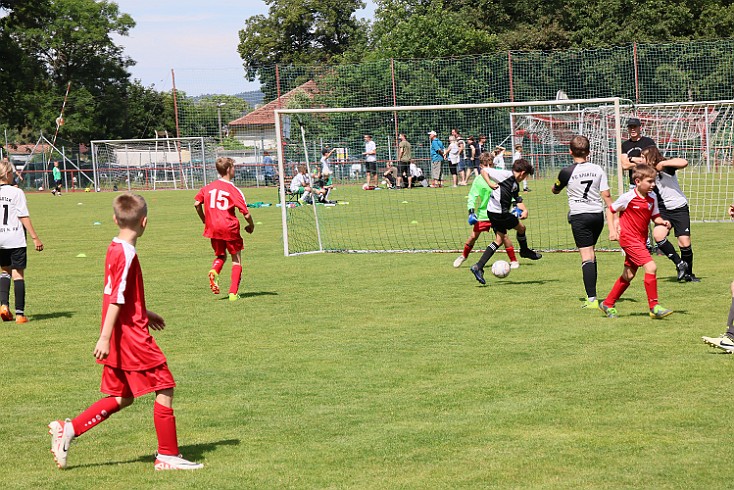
(453, 168)
(503, 222)
(680, 220)
(15, 258)
(586, 228)
(404, 169)
(370, 167)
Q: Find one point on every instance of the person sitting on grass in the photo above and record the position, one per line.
(301, 185)
(499, 211)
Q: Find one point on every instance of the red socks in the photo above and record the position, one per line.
(165, 429)
(651, 288)
(235, 279)
(217, 265)
(97, 413)
(466, 251)
(619, 288)
(511, 254)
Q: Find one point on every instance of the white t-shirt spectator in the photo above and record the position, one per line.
(454, 155)
(370, 146)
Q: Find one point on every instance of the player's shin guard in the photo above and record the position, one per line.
(487, 255)
(95, 414)
(4, 288)
(686, 253)
(588, 270)
(218, 264)
(669, 250)
(651, 288)
(511, 254)
(19, 290)
(523, 241)
(235, 278)
(165, 429)
(617, 291)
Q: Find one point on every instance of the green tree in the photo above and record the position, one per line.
(298, 31)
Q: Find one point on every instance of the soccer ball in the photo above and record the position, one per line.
(87, 190)
(40, 189)
(384, 182)
(501, 269)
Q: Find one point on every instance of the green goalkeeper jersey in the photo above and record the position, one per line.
(479, 189)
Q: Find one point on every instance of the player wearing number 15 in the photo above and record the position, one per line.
(216, 203)
(586, 185)
(15, 223)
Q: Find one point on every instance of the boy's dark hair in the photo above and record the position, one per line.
(580, 146)
(486, 158)
(129, 209)
(223, 165)
(522, 165)
(325, 151)
(644, 171)
(652, 155)
(470, 138)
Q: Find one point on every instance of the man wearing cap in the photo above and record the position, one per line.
(632, 148)
(437, 155)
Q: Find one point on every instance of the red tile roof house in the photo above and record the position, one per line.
(257, 128)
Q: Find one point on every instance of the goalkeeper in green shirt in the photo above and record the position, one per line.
(478, 218)
(57, 180)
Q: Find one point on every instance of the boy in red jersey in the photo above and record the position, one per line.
(636, 208)
(133, 363)
(215, 203)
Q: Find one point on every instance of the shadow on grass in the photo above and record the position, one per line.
(56, 314)
(538, 281)
(252, 294)
(647, 314)
(192, 452)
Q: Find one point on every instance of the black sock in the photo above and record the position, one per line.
(523, 241)
(5, 288)
(19, 289)
(588, 270)
(669, 250)
(686, 253)
(487, 255)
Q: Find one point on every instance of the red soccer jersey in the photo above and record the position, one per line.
(220, 198)
(132, 348)
(635, 215)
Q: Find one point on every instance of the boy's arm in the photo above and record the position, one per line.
(625, 162)
(613, 223)
(200, 211)
(488, 179)
(675, 163)
(102, 349)
(34, 236)
(155, 321)
(250, 223)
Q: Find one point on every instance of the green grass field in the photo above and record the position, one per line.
(369, 371)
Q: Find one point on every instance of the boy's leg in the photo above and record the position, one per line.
(522, 239)
(620, 286)
(651, 289)
(19, 291)
(478, 268)
(725, 341)
(220, 257)
(236, 275)
(514, 264)
(5, 313)
(686, 253)
(589, 272)
(168, 457)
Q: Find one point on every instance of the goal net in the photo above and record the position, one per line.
(424, 218)
(700, 132)
(150, 164)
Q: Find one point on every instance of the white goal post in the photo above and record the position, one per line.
(423, 219)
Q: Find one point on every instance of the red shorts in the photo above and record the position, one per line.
(221, 247)
(481, 226)
(636, 255)
(118, 382)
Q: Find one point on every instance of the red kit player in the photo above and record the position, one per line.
(636, 208)
(215, 203)
(133, 364)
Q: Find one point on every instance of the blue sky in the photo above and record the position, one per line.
(196, 38)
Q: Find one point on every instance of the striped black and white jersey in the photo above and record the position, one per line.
(500, 201)
(670, 196)
(584, 183)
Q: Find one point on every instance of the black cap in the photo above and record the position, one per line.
(633, 121)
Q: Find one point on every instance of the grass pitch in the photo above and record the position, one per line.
(369, 371)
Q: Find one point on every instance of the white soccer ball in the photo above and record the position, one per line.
(40, 189)
(384, 182)
(501, 269)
